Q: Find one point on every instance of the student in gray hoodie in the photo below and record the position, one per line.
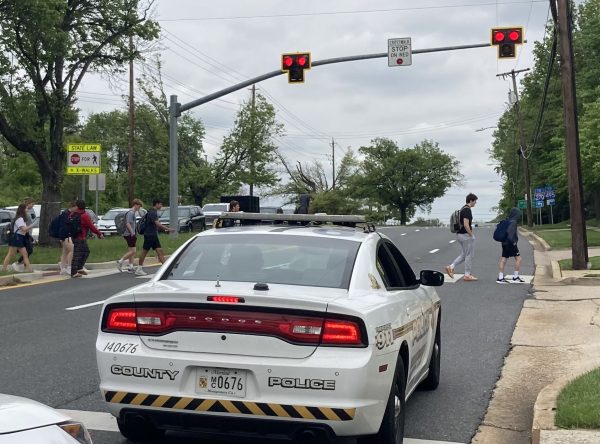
(510, 249)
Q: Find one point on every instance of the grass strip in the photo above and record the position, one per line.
(578, 405)
(567, 264)
(562, 238)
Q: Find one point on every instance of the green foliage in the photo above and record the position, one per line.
(547, 160)
(405, 178)
(248, 152)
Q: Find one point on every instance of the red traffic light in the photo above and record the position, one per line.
(514, 35)
(506, 40)
(287, 61)
(498, 36)
(295, 64)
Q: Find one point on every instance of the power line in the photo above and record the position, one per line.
(364, 11)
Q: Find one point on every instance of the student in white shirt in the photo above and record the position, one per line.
(17, 241)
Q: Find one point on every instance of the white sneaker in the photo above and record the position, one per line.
(120, 264)
(130, 269)
(18, 267)
(139, 271)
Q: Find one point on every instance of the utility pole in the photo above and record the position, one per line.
(130, 190)
(522, 143)
(333, 162)
(253, 141)
(578, 228)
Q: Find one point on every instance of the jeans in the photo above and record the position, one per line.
(467, 243)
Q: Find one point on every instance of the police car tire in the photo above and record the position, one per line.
(391, 430)
(433, 377)
(142, 432)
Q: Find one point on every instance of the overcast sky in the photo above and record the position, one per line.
(446, 97)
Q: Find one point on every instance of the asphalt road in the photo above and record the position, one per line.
(47, 352)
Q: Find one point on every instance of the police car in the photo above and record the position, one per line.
(303, 329)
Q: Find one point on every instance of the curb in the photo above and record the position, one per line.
(557, 275)
(545, 246)
(544, 408)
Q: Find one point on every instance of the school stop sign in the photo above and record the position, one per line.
(75, 159)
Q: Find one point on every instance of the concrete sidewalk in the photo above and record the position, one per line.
(557, 338)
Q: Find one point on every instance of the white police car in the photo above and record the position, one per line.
(284, 330)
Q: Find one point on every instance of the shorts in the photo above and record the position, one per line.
(131, 241)
(17, 241)
(510, 250)
(151, 242)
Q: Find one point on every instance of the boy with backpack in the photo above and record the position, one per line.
(466, 239)
(129, 235)
(80, 223)
(506, 233)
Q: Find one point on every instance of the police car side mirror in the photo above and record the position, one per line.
(432, 278)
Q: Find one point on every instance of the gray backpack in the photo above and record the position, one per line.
(455, 222)
(121, 222)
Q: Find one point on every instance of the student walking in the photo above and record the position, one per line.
(17, 240)
(28, 201)
(510, 249)
(81, 223)
(151, 240)
(129, 235)
(234, 207)
(466, 239)
(66, 242)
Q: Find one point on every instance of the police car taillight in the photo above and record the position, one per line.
(341, 332)
(121, 319)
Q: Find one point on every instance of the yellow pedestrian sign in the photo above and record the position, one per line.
(83, 158)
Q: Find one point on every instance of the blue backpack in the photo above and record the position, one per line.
(501, 231)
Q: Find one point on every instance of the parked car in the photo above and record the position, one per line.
(393, 221)
(190, 218)
(6, 217)
(25, 421)
(212, 211)
(270, 210)
(35, 230)
(106, 222)
(301, 333)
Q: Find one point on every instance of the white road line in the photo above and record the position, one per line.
(417, 230)
(77, 307)
(424, 441)
(107, 422)
(452, 241)
(403, 234)
(434, 251)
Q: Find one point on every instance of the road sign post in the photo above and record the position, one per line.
(400, 52)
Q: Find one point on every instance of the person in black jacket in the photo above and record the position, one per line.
(234, 207)
(510, 249)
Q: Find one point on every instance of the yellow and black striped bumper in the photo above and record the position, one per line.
(227, 407)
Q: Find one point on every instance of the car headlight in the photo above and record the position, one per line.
(77, 430)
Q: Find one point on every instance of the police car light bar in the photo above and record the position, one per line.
(333, 218)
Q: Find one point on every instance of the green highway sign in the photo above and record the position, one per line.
(522, 204)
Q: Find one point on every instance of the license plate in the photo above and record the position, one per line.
(222, 381)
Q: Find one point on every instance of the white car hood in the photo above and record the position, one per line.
(18, 413)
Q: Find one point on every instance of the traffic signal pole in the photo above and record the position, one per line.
(176, 108)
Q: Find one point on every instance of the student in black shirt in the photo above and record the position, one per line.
(466, 239)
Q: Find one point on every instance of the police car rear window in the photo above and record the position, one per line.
(272, 259)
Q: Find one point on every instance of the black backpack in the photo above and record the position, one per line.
(73, 225)
(9, 231)
(142, 224)
(501, 231)
(59, 226)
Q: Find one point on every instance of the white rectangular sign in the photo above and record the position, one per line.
(97, 181)
(400, 52)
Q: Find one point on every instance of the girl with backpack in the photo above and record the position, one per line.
(17, 241)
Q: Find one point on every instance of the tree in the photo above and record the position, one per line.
(406, 178)
(248, 152)
(46, 49)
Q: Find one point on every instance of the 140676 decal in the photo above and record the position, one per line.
(384, 336)
(120, 347)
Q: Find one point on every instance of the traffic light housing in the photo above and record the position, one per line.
(295, 64)
(506, 40)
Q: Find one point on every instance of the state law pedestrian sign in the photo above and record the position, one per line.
(400, 52)
(83, 158)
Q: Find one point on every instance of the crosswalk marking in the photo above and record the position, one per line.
(106, 422)
(434, 250)
(458, 277)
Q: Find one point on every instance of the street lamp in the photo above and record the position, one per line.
(487, 127)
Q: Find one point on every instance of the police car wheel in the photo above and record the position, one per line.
(433, 377)
(139, 430)
(391, 430)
